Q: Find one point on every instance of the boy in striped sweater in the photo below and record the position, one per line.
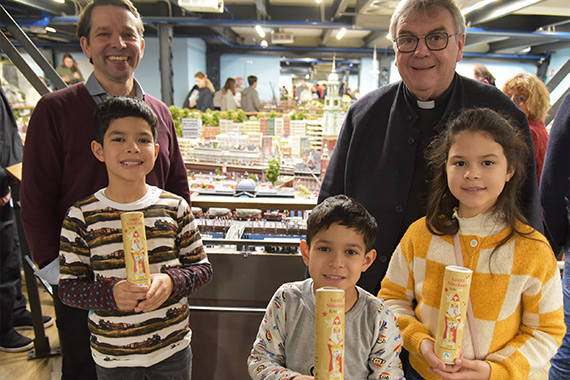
(134, 329)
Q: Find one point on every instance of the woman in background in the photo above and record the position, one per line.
(68, 70)
(201, 96)
(228, 101)
(531, 95)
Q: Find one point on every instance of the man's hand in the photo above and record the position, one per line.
(127, 295)
(160, 289)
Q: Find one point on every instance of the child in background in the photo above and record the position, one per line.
(340, 234)
(478, 168)
(141, 331)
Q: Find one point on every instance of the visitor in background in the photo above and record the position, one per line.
(300, 89)
(227, 99)
(249, 97)
(13, 312)
(481, 74)
(201, 97)
(68, 70)
(531, 95)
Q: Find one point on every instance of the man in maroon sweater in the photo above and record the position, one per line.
(59, 168)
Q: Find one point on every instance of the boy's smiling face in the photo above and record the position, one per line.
(337, 256)
(128, 151)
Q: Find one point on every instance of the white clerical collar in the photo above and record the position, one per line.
(426, 105)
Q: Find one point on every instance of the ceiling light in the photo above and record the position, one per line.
(260, 31)
(59, 1)
(263, 44)
(476, 6)
(340, 33)
(318, 1)
(50, 29)
(526, 50)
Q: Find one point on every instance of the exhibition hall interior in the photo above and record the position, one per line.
(255, 168)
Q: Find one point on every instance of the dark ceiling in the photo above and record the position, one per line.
(519, 29)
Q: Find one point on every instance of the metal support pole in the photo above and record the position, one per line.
(41, 341)
(213, 55)
(165, 63)
(33, 51)
(559, 76)
(22, 65)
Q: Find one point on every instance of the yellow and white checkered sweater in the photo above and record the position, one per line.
(516, 294)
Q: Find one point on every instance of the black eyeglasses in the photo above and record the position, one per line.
(434, 42)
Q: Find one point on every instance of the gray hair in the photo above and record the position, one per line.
(407, 8)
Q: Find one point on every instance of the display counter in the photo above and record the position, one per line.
(265, 203)
(226, 313)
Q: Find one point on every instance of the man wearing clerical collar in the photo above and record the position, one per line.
(379, 156)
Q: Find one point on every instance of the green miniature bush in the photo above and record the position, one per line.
(272, 172)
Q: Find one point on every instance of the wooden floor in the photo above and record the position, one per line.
(17, 366)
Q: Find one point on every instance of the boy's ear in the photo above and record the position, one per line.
(156, 150)
(305, 252)
(97, 150)
(368, 259)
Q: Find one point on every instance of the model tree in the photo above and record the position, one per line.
(272, 172)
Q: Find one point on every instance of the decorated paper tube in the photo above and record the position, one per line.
(135, 249)
(452, 313)
(329, 334)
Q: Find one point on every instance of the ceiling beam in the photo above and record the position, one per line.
(340, 7)
(549, 47)
(261, 10)
(227, 34)
(497, 10)
(325, 36)
(47, 6)
(362, 5)
(374, 38)
(514, 44)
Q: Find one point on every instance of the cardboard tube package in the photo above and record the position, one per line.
(329, 334)
(452, 313)
(135, 249)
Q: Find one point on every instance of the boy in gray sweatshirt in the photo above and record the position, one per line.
(338, 247)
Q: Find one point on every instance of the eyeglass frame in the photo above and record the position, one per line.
(395, 40)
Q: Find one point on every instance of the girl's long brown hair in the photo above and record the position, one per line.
(441, 202)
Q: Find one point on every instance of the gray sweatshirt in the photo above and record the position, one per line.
(285, 343)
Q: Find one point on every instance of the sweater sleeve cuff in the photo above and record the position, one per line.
(498, 372)
(187, 280)
(416, 340)
(108, 295)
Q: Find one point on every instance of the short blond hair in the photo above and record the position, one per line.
(533, 89)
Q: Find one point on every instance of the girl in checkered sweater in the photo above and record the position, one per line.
(478, 167)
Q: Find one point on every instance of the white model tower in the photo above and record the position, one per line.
(332, 121)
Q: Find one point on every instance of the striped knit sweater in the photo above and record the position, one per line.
(92, 262)
(516, 294)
